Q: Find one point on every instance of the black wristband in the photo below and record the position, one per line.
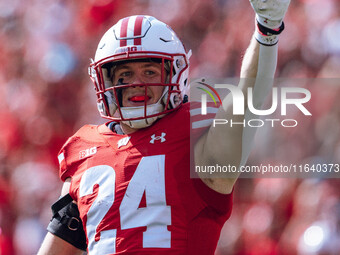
(268, 32)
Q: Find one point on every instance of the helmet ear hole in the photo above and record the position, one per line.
(174, 101)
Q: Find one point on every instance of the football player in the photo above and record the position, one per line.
(127, 186)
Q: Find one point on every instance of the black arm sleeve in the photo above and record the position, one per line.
(66, 223)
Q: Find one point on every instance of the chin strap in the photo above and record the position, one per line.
(139, 111)
(135, 112)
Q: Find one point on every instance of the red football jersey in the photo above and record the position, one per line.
(135, 194)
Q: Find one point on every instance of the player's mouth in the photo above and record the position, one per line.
(139, 99)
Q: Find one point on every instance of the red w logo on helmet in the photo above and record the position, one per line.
(129, 25)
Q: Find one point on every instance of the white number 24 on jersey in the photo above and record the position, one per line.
(156, 216)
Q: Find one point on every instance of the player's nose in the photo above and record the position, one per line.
(137, 80)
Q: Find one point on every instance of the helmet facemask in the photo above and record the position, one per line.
(109, 96)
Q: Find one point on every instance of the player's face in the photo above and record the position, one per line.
(139, 73)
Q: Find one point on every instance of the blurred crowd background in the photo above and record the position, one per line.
(46, 95)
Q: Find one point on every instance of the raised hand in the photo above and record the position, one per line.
(270, 13)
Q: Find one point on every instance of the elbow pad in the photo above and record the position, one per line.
(66, 223)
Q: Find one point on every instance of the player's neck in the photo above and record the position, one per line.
(127, 129)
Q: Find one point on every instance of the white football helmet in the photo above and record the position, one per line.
(137, 38)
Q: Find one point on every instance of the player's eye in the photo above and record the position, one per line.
(125, 74)
(149, 72)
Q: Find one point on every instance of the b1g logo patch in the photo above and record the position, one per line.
(88, 152)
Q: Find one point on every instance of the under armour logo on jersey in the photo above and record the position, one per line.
(124, 141)
(161, 137)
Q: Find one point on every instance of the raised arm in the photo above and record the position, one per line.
(225, 145)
